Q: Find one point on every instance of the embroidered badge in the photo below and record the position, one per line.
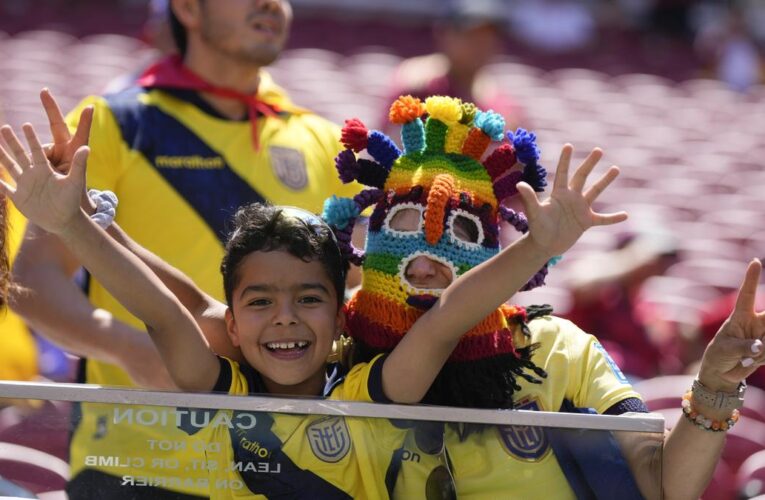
(525, 442)
(329, 438)
(289, 166)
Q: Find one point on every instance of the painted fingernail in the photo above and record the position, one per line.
(757, 346)
(747, 362)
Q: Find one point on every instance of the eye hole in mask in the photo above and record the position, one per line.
(466, 228)
(405, 218)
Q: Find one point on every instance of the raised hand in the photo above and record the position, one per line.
(47, 198)
(61, 152)
(558, 222)
(737, 350)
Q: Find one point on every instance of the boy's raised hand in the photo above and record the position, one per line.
(47, 198)
(558, 222)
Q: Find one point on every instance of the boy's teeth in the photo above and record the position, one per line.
(287, 345)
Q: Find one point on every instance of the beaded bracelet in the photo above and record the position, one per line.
(707, 423)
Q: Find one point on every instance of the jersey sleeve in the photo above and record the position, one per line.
(363, 383)
(231, 380)
(105, 165)
(600, 383)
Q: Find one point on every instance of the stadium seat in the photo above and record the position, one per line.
(723, 484)
(750, 478)
(32, 469)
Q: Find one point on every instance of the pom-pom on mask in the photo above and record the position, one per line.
(437, 211)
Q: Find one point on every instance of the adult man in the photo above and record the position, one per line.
(195, 138)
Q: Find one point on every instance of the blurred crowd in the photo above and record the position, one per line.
(678, 39)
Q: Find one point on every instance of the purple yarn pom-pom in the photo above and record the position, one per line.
(516, 219)
(347, 166)
(536, 176)
(525, 144)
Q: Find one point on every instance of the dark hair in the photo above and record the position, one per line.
(5, 274)
(266, 228)
(488, 383)
(179, 32)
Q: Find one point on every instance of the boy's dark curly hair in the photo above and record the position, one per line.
(265, 228)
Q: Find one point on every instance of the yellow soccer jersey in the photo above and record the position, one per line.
(180, 171)
(18, 359)
(518, 462)
(261, 455)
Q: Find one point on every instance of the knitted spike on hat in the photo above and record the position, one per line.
(440, 180)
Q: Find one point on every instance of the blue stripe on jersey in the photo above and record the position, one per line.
(198, 173)
(271, 472)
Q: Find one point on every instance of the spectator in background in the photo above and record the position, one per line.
(197, 136)
(467, 36)
(158, 34)
(604, 289)
(157, 31)
(730, 52)
(555, 26)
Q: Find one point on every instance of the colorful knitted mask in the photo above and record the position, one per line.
(441, 183)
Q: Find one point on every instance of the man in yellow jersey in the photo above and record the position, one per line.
(197, 136)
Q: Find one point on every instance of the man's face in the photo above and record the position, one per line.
(250, 30)
(284, 317)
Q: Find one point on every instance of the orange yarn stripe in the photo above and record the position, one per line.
(476, 144)
(400, 318)
(438, 197)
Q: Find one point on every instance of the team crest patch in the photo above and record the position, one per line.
(289, 166)
(523, 441)
(329, 438)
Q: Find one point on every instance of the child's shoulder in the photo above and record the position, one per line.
(363, 382)
(554, 332)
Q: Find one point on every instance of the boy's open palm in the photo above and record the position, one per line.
(558, 222)
(47, 198)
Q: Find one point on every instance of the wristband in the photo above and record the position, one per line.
(719, 400)
(707, 424)
(106, 207)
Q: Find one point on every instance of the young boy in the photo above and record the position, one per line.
(284, 297)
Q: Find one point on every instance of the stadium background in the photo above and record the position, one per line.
(642, 79)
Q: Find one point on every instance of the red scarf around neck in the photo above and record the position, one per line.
(170, 73)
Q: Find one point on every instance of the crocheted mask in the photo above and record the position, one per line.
(451, 200)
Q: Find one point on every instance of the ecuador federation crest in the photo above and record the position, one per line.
(524, 441)
(329, 438)
(289, 166)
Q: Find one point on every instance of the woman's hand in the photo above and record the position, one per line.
(737, 350)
